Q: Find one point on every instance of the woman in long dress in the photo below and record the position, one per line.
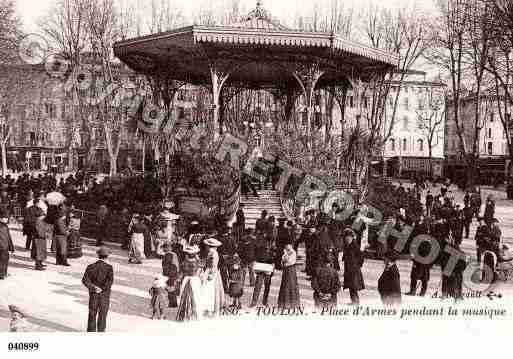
(289, 290)
(136, 250)
(190, 307)
(213, 292)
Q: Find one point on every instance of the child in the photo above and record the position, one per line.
(235, 280)
(158, 295)
(18, 322)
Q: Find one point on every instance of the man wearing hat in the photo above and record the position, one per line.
(389, 283)
(326, 284)
(353, 262)
(6, 244)
(98, 278)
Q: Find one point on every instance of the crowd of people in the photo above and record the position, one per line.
(203, 265)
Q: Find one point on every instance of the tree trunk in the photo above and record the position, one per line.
(4, 158)
(113, 165)
(143, 155)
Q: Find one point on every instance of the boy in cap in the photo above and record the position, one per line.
(98, 278)
(18, 322)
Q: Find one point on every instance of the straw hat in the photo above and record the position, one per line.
(15, 309)
(212, 242)
(191, 250)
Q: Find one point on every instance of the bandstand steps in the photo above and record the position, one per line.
(267, 200)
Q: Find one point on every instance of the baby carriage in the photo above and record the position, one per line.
(501, 263)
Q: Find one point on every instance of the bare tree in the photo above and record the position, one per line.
(499, 17)
(430, 120)
(450, 49)
(10, 32)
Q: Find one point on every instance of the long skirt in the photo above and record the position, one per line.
(190, 307)
(4, 262)
(39, 250)
(159, 243)
(136, 252)
(213, 293)
(61, 253)
(289, 290)
(74, 244)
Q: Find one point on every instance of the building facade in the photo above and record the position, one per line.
(486, 134)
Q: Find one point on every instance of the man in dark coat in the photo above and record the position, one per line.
(429, 202)
(467, 219)
(240, 223)
(311, 237)
(420, 271)
(389, 284)
(324, 247)
(265, 253)
(353, 262)
(170, 269)
(247, 255)
(6, 244)
(261, 223)
(326, 285)
(98, 278)
(489, 212)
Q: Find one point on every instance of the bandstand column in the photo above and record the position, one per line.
(307, 76)
(287, 97)
(340, 94)
(218, 78)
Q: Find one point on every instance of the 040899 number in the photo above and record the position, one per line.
(23, 346)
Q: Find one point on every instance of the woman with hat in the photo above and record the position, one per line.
(213, 292)
(389, 283)
(136, 251)
(190, 307)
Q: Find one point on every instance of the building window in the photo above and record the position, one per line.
(406, 103)
(420, 144)
(492, 115)
(32, 139)
(490, 148)
(489, 133)
(181, 112)
(405, 123)
(351, 101)
(405, 144)
(392, 144)
(365, 102)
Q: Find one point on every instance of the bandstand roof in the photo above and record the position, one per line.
(260, 52)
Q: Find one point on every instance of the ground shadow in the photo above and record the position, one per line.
(120, 303)
(43, 323)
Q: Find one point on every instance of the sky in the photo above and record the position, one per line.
(31, 10)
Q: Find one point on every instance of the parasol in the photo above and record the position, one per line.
(55, 198)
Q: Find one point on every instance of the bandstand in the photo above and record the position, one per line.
(257, 53)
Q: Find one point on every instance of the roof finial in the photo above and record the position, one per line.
(259, 12)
